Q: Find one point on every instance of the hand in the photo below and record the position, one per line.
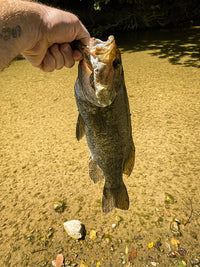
(51, 49)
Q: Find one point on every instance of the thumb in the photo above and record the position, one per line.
(82, 34)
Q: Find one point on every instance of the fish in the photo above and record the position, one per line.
(105, 119)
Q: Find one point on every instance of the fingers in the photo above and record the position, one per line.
(82, 34)
(56, 53)
(57, 57)
(66, 51)
(77, 55)
(48, 64)
(60, 53)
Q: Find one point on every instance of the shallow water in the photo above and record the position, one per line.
(41, 161)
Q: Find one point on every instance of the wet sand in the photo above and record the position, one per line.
(41, 161)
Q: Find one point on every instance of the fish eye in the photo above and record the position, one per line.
(116, 63)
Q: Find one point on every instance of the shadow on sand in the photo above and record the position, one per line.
(181, 47)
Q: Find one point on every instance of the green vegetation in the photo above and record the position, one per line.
(102, 16)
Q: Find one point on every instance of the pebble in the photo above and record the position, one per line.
(132, 255)
(100, 234)
(114, 225)
(194, 261)
(112, 248)
(107, 240)
(60, 250)
(59, 206)
(93, 235)
(150, 245)
(175, 228)
(158, 245)
(126, 250)
(8, 257)
(118, 218)
(175, 241)
(169, 199)
(75, 229)
(168, 246)
(177, 220)
(182, 252)
(50, 232)
(152, 258)
(59, 261)
(171, 255)
(182, 263)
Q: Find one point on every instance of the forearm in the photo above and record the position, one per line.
(18, 21)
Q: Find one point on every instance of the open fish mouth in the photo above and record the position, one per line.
(99, 57)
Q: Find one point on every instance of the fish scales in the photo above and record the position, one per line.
(105, 120)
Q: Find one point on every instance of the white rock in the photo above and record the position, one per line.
(153, 263)
(74, 228)
(114, 225)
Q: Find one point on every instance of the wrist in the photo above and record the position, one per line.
(20, 27)
(30, 19)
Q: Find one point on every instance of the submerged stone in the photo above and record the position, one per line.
(132, 255)
(175, 228)
(182, 252)
(59, 206)
(50, 232)
(107, 239)
(169, 199)
(93, 235)
(100, 234)
(194, 261)
(118, 218)
(75, 229)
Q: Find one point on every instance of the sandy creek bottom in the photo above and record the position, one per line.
(41, 162)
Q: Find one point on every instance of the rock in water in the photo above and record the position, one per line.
(59, 206)
(169, 199)
(75, 229)
(93, 235)
(59, 261)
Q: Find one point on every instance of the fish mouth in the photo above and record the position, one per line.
(98, 67)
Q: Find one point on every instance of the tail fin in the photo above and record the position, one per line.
(115, 198)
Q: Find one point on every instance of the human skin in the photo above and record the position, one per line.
(42, 34)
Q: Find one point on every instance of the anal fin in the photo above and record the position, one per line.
(115, 198)
(95, 173)
(129, 164)
(80, 128)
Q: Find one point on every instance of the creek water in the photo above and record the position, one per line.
(41, 162)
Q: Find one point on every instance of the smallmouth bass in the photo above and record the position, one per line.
(104, 117)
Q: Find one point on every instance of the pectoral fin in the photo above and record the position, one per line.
(115, 198)
(80, 128)
(129, 164)
(96, 174)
